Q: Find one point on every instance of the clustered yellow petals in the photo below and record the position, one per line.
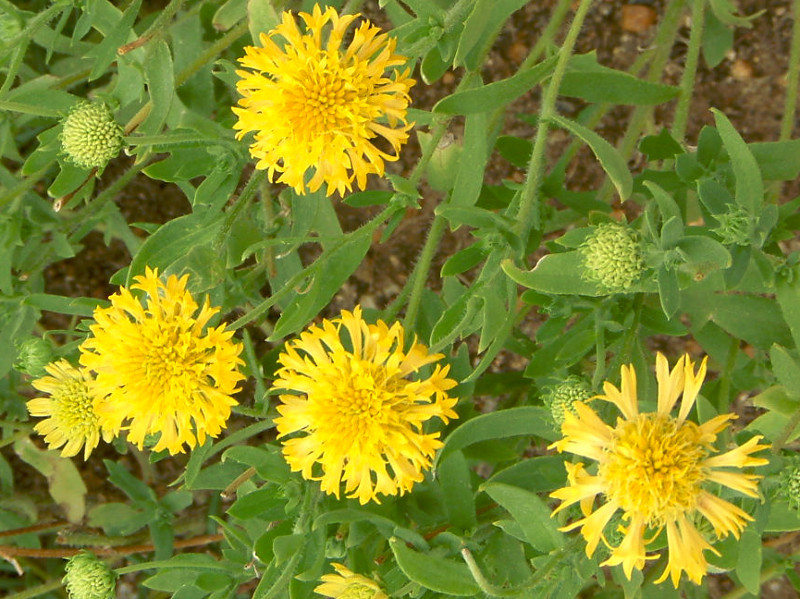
(69, 416)
(346, 584)
(159, 369)
(654, 468)
(317, 104)
(358, 413)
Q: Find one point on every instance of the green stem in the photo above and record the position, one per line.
(221, 44)
(156, 29)
(241, 202)
(528, 214)
(689, 70)
(663, 43)
(455, 16)
(53, 585)
(600, 349)
(790, 103)
(421, 269)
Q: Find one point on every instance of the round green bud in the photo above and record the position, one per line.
(790, 483)
(735, 226)
(33, 355)
(561, 397)
(89, 578)
(91, 137)
(612, 257)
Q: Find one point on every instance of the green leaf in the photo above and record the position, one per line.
(481, 28)
(230, 13)
(172, 241)
(748, 566)
(266, 503)
(782, 517)
(106, 51)
(668, 291)
(472, 161)
(660, 147)
(329, 272)
(464, 259)
(514, 422)
(589, 80)
(786, 370)
(434, 573)
(704, 255)
(64, 482)
(76, 306)
(750, 318)
(497, 94)
(287, 546)
(126, 482)
(267, 460)
(610, 159)
(160, 78)
(454, 478)
(555, 273)
(261, 17)
(777, 160)
(749, 186)
(717, 40)
(666, 204)
(531, 513)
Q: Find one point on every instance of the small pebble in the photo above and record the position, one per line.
(741, 69)
(638, 18)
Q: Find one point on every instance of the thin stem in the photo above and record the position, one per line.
(156, 29)
(240, 203)
(7, 551)
(238, 482)
(792, 77)
(600, 349)
(689, 70)
(221, 44)
(420, 273)
(50, 526)
(37, 591)
(663, 43)
(528, 214)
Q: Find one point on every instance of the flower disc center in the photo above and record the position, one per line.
(654, 467)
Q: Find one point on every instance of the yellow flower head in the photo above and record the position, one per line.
(655, 468)
(360, 413)
(315, 103)
(70, 419)
(158, 366)
(348, 585)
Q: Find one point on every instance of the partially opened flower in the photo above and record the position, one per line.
(346, 584)
(359, 412)
(160, 370)
(659, 470)
(70, 418)
(319, 105)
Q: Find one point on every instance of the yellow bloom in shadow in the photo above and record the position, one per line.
(70, 418)
(359, 413)
(655, 468)
(159, 369)
(348, 585)
(316, 104)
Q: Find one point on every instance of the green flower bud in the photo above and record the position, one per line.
(33, 355)
(613, 257)
(561, 397)
(91, 137)
(735, 226)
(89, 578)
(790, 483)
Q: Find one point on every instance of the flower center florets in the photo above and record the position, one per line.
(653, 467)
(75, 406)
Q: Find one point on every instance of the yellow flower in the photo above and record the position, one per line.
(655, 468)
(360, 414)
(70, 417)
(159, 366)
(348, 585)
(316, 104)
